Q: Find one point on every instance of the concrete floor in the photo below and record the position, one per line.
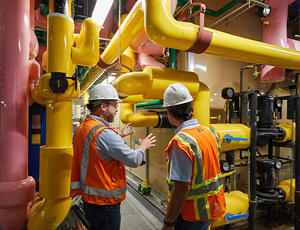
(135, 216)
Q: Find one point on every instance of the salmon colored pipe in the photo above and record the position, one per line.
(16, 188)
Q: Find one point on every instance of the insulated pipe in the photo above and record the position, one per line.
(152, 83)
(275, 33)
(235, 130)
(192, 38)
(130, 28)
(56, 156)
(127, 115)
(16, 188)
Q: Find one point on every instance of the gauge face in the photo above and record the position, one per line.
(266, 11)
(226, 166)
(227, 93)
(230, 92)
(278, 164)
(278, 103)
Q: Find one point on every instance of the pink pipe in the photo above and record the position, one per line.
(16, 188)
(147, 60)
(276, 33)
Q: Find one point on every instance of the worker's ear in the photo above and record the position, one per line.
(103, 107)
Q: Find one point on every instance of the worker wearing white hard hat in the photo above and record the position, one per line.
(98, 172)
(194, 177)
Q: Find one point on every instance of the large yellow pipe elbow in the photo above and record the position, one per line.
(153, 81)
(149, 119)
(234, 130)
(164, 30)
(86, 52)
(286, 187)
(130, 28)
(290, 132)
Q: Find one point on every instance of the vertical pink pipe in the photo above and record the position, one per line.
(16, 188)
(275, 33)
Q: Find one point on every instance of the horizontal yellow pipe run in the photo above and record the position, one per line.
(235, 130)
(247, 50)
(164, 30)
(237, 202)
(128, 115)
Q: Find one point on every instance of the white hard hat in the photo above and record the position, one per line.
(176, 94)
(103, 92)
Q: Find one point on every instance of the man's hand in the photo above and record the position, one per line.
(147, 142)
(123, 133)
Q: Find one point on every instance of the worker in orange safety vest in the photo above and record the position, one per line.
(196, 195)
(98, 172)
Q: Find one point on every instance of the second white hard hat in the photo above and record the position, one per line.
(103, 92)
(176, 94)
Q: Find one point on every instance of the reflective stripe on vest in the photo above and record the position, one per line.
(201, 189)
(83, 172)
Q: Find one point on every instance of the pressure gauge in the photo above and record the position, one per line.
(228, 93)
(264, 12)
(224, 166)
(278, 164)
(278, 103)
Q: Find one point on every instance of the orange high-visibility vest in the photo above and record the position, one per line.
(206, 200)
(99, 181)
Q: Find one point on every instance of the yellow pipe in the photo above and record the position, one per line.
(247, 50)
(135, 99)
(236, 202)
(130, 28)
(87, 44)
(153, 81)
(287, 127)
(286, 186)
(56, 156)
(235, 130)
(149, 119)
(164, 30)
(201, 105)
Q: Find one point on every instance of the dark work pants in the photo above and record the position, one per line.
(181, 224)
(103, 217)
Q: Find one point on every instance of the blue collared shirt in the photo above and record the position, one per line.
(111, 146)
(180, 164)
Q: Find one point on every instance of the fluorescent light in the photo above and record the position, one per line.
(101, 10)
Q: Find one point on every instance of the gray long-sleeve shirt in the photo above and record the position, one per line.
(111, 146)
